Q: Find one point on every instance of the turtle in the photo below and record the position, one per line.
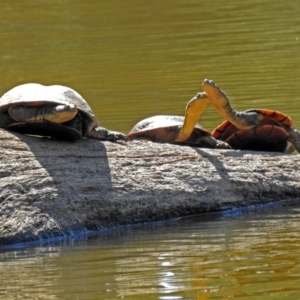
(253, 129)
(54, 111)
(178, 129)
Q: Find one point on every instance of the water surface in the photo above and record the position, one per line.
(253, 255)
(133, 60)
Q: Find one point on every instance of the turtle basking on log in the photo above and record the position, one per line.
(178, 129)
(54, 111)
(253, 129)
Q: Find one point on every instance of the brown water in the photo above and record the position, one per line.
(134, 59)
(137, 59)
(239, 255)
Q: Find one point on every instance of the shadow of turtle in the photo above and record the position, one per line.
(214, 158)
(52, 188)
(242, 174)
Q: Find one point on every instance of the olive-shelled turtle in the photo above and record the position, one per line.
(56, 111)
(178, 129)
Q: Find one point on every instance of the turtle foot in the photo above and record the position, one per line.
(102, 133)
(115, 136)
(222, 145)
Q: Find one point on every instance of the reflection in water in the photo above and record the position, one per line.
(25, 273)
(205, 257)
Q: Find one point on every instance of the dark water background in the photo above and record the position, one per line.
(134, 59)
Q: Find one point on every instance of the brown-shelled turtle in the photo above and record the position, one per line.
(55, 111)
(178, 129)
(253, 129)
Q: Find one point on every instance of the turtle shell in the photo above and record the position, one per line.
(165, 129)
(34, 94)
(271, 134)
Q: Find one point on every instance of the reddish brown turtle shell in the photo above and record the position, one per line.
(271, 134)
(254, 129)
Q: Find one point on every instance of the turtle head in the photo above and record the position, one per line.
(242, 120)
(216, 96)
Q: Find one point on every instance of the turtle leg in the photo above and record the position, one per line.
(5, 120)
(75, 123)
(294, 138)
(207, 141)
(52, 113)
(193, 110)
(199, 139)
(242, 120)
(102, 133)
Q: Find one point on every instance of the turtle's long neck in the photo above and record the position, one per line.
(242, 120)
(193, 110)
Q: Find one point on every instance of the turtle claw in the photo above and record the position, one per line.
(115, 136)
(102, 133)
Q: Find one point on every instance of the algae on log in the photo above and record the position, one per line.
(53, 188)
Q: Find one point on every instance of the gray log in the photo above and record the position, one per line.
(53, 188)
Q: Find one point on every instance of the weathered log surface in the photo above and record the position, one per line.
(53, 188)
